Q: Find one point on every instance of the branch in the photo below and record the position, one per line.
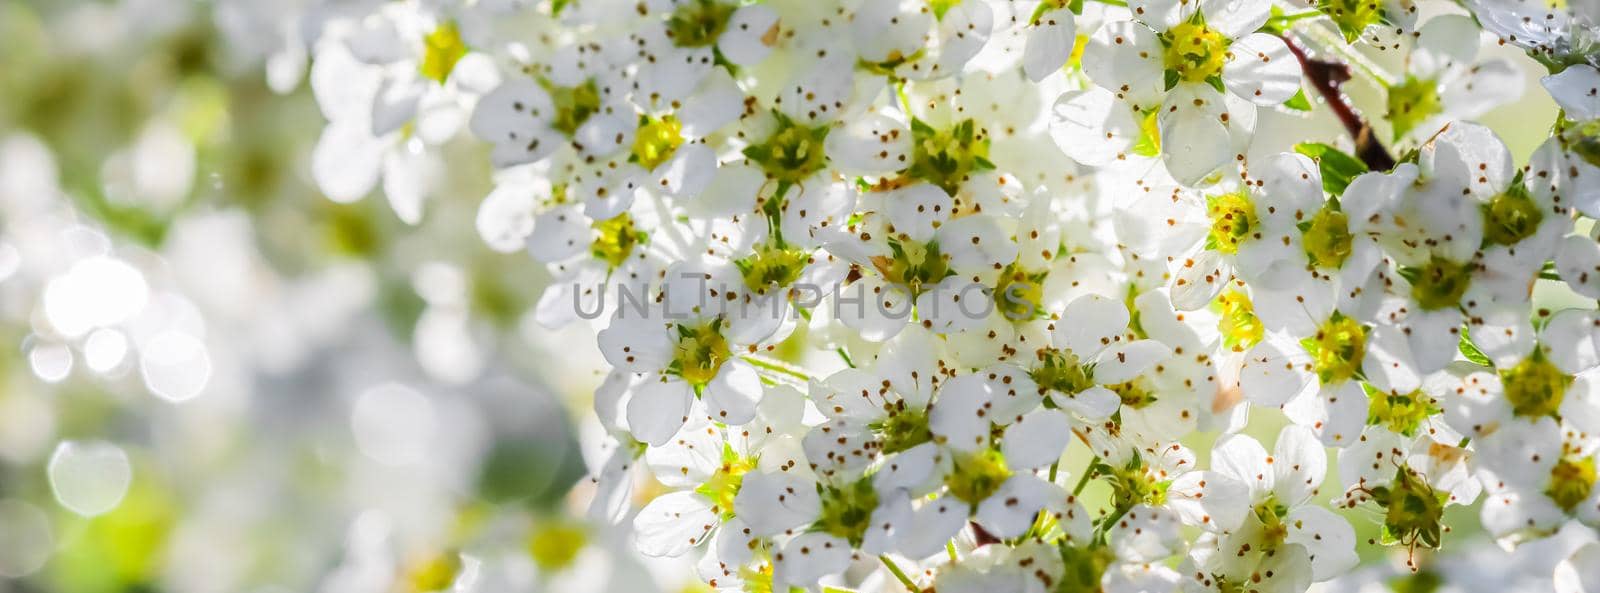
(1325, 77)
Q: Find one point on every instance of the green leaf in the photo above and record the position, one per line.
(1471, 351)
(1337, 167)
(1298, 102)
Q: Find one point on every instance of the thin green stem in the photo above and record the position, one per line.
(1053, 468)
(899, 574)
(1324, 41)
(905, 103)
(845, 356)
(1088, 472)
(776, 366)
(1122, 3)
(950, 546)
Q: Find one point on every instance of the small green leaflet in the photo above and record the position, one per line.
(1337, 167)
(1471, 351)
(1298, 102)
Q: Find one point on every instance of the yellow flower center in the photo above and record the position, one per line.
(656, 141)
(903, 428)
(1510, 217)
(615, 239)
(1020, 294)
(1061, 371)
(772, 266)
(700, 352)
(1535, 387)
(1238, 324)
(1571, 481)
(1400, 413)
(1233, 221)
(573, 105)
(698, 23)
(441, 49)
(724, 484)
(977, 475)
(555, 545)
(1413, 510)
(1338, 348)
(1327, 239)
(1411, 102)
(847, 510)
(1440, 283)
(1196, 52)
(947, 157)
(792, 153)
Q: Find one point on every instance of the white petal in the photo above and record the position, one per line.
(346, 161)
(933, 524)
(1193, 145)
(1575, 89)
(772, 503)
(1197, 280)
(1262, 70)
(1275, 371)
(1037, 441)
(1243, 459)
(907, 470)
(1092, 126)
(959, 415)
(1049, 44)
(1122, 362)
(1009, 512)
(809, 557)
(1236, 18)
(745, 41)
(1089, 324)
(1300, 464)
(673, 523)
(919, 210)
(1127, 54)
(1218, 505)
(658, 409)
(732, 394)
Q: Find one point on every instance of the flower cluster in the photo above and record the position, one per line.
(985, 295)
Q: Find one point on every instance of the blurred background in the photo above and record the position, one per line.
(214, 379)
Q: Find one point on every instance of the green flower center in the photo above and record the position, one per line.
(441, 49)
(1196, 52)
(913, 265)
(1274, 530)
(436, 573)
(772, 266)
(1535, 386)
(700, 352)
(1400, 413)
(1413, 510)
(1440, 283)
(1132, 485)
(1084, 568)
(1062, 372)
(792, 153)
(975, 476)
(1020, 294)
(1510, 217)
(656, 140)
(1571, 481)
(1411, 102)
(1238, 324)
(573, 104)
(903, 428)
(1352, 16)
(847, 510)
(1338, 348)
(1233, 221)
(1583, 140)
(555, 545)
(1327, 239)
(698, 23)
(723, 486)
(1135, 394)
(615, 239)
(947, 157)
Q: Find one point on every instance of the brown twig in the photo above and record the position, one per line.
(1326, 76)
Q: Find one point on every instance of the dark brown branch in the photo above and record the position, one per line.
(1326, 76)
